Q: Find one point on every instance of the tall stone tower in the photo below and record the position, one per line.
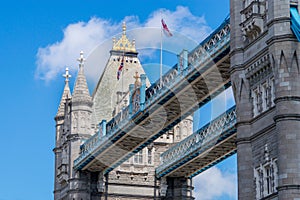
(77, 119)
(265, 79)
(61, 162)
(73, 125)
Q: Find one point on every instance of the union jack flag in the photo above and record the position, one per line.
(120, 68)
(166, 29)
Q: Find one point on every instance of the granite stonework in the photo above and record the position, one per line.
(265, 80)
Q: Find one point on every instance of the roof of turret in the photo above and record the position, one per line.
(81, 92)
(66, 94)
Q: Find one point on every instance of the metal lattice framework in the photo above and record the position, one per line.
(215, 133)
(179, 94)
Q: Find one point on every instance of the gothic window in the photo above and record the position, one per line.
(266, 179)
(64, 156)
(264, 96)
(255, 101)
(259, 182)
(138, 157)
(150, 156)
(259, 102)
(272, 90)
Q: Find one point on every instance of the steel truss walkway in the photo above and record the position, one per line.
(202, 74)
(206, 147)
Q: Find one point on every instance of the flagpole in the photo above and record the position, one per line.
(161, 55)
(123, 72)
(123, 96)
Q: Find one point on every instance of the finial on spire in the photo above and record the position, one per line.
(124, 28)
(67, 75)
(81, 59)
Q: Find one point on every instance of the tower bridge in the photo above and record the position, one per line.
(256, 52)
(162, 106)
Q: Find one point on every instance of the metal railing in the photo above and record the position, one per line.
(198, 140)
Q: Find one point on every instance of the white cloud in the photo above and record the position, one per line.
(94, 37)
(213, 184)
(79, 36)
(182, 21)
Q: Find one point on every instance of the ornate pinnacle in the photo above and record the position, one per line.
(67, 75)
(137, 77)
(81, 59)
(123, 44)
(124, 28)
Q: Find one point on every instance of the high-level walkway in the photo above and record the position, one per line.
(206, 147)
(201, 75)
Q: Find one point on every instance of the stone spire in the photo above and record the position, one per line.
(66, 94)
(81, 92)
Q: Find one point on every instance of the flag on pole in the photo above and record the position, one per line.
(120, 68)
(166, 29)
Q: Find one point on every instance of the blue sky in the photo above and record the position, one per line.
(29, 101)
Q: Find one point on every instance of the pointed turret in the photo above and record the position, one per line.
(80, 114)
(81, 92)
(81, 102)
(66, 95)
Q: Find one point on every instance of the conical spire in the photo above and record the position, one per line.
(81, 92)
(66, 94)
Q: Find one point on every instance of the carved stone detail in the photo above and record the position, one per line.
(253, 17)
(262, 86)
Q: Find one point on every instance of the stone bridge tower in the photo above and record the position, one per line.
(266, 82)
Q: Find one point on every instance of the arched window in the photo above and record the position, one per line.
(138, 157)
(150, 156)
